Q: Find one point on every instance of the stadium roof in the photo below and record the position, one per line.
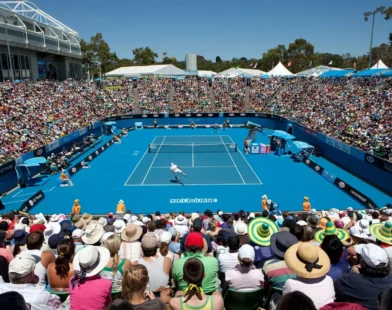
(30, 10)
(279, 70)
(234, 72)
(136, 71)
(316, 71)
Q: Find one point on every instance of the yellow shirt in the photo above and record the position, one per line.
(120, 208)
(76, 209)
(306, 206)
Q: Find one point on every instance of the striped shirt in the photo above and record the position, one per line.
(276, 273)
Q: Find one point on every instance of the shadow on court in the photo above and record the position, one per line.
(177, 182)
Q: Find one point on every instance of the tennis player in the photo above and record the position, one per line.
(176, 171)
(215, 128)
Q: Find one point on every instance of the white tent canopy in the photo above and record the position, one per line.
(234, 72)
(204, 73)
(316, 71)
(280, 70)
(379, 65)
(136, 71)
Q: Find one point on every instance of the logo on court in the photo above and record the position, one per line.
(231, 114)
(177, 115)
(74, 169)
(317, 168)
(243, 114)
(156, 115)
(96, 152)
(107, 144)
(342, 184)
(194, 200)
(90, 157)
(370, 159)
(188, 115)
(208, 115)
(31, 203)
(201, 115)
(307, 161)
(39, 152)
(102, 148)
(144, 115)
(180, 126)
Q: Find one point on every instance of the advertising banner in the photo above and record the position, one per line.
(51, 146)
(356, 194)
(32, 201)
(378, 162)
(7, 167)
(310, 163)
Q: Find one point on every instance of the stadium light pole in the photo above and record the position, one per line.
(366, 15)
(9, 51)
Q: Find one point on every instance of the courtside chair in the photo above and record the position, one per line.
(243, 300)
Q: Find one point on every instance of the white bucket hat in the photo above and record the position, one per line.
(52, 228)
(102, 221)
(180, 220)
(240, 228)
(90, 260)
(54, 217)
(119, 226)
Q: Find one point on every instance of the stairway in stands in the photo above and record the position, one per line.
(212, 99)
(246, 103)
(135, 98)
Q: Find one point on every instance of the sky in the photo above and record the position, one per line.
(223, 28)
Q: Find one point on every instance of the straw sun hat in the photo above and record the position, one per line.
(330, 229)
(307, 261)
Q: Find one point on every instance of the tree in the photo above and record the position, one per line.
(218, 59)
(388, 13)
(144, 56)
(300, 53)
(272, 57)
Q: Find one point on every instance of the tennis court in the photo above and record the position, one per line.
(207, 160)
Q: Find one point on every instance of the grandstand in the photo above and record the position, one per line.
(34, 45)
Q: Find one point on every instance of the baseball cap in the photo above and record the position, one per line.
(110, 214)
(22, 264)
(246, 251)
(198, 223)
(77, 233)
(37, 227)
(166, 237)
(55, 239)
(194, 239)
(373, 255)
(149, 241)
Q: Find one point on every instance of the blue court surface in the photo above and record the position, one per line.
(218, 176)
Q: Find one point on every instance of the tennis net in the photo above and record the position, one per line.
(193, 148)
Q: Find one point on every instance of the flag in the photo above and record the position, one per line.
(289, 64)
(251, 65)
(355, 64)
(330, 63)
(255, 66)
(310, 64)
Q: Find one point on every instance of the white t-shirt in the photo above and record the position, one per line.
(227, 261)
(320, 291)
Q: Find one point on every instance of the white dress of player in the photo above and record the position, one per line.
(176, 171)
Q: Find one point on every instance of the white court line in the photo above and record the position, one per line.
(247, 162)
(195, 167)
(153, 160)
(185, 184)
(125, 184)
(186, 136)
(49, 190)
(8, 203)
(193, 156)
(17, 193)
(232, 159)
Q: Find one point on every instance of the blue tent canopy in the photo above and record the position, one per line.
(302, 145)
(369, 72)
(33, 162)
(265, 76)
(282, 134)
(110, 123)
(336, 73)
(387, 73)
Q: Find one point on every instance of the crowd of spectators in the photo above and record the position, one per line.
(322, 260)
(191, 96)
(154, 94)
(357, 111)
(229, 94)
(35, 114)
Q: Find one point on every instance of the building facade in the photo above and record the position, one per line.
(35, 46)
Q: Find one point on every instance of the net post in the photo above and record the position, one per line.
(149, 148)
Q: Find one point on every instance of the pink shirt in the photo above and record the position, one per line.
(244, 278)
(93, 294)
